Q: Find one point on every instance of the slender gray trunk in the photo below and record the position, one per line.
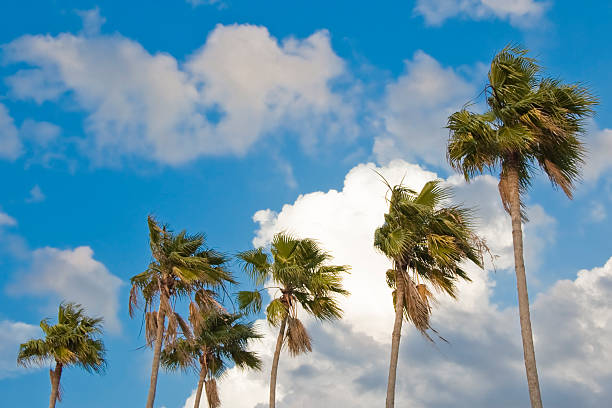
(55, 376)
(274, 371)
(159, 339)
(198, 395)
(395, 337)
(521, 286)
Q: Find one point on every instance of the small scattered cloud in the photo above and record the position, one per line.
(92, 21)
(7, 220)
(36, 195)
(520, 13)
(597, 211)
(12, 334)
(10, 144)
(599, 147)
(218, 3)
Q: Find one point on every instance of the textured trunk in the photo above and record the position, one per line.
(198, 395)
(279, 346)
(395, 338)
(159, 339)
(55, 376)
(521, 286)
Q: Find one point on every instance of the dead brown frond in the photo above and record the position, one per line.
(133, 303)
(195, 317)
(504, 192)
(206, 300)
(425, 294)
(416, 308)
(558, 178)
(298, 340)
(212, 395)
(150, 327)
(184, 326)
(171, 329)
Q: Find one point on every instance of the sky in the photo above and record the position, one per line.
(241, 119)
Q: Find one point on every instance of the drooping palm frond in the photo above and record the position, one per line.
(297, 338)
(212, 395)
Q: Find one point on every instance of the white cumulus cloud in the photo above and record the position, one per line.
(73, 275)
(415, 110)
(482, 366)
(241, 85)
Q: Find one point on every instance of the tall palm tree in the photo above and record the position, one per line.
(427, 241)
(182, 267)
(532, 122)
(298, 270)
(74, 340)
(219, 340)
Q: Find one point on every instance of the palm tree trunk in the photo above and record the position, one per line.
(198, 395)
(273, 373)
(159, 339)
(55, 382)
(395, 338)
(521, 286)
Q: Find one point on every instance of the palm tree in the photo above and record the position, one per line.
(427, 243)
(219, 340)
(532, 122)
(298, 270)
(74, 340)
(182, 267)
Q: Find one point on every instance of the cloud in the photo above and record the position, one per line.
(349, 364)
(597, 212)
(10, 144)
(12, 334)
(599, 147)
(73, 275)
(10, 243)
(521, 13)
(240, 86)
(92, 21)
(218, 3)
(415, 110)
(7, 220)
(36, 195)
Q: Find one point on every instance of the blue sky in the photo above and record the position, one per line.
(207, 114)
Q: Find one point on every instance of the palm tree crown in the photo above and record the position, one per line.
(182, 267)
(297, 269)
(427, 243)
(219, 340)
(532, 122)
(73, 341)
